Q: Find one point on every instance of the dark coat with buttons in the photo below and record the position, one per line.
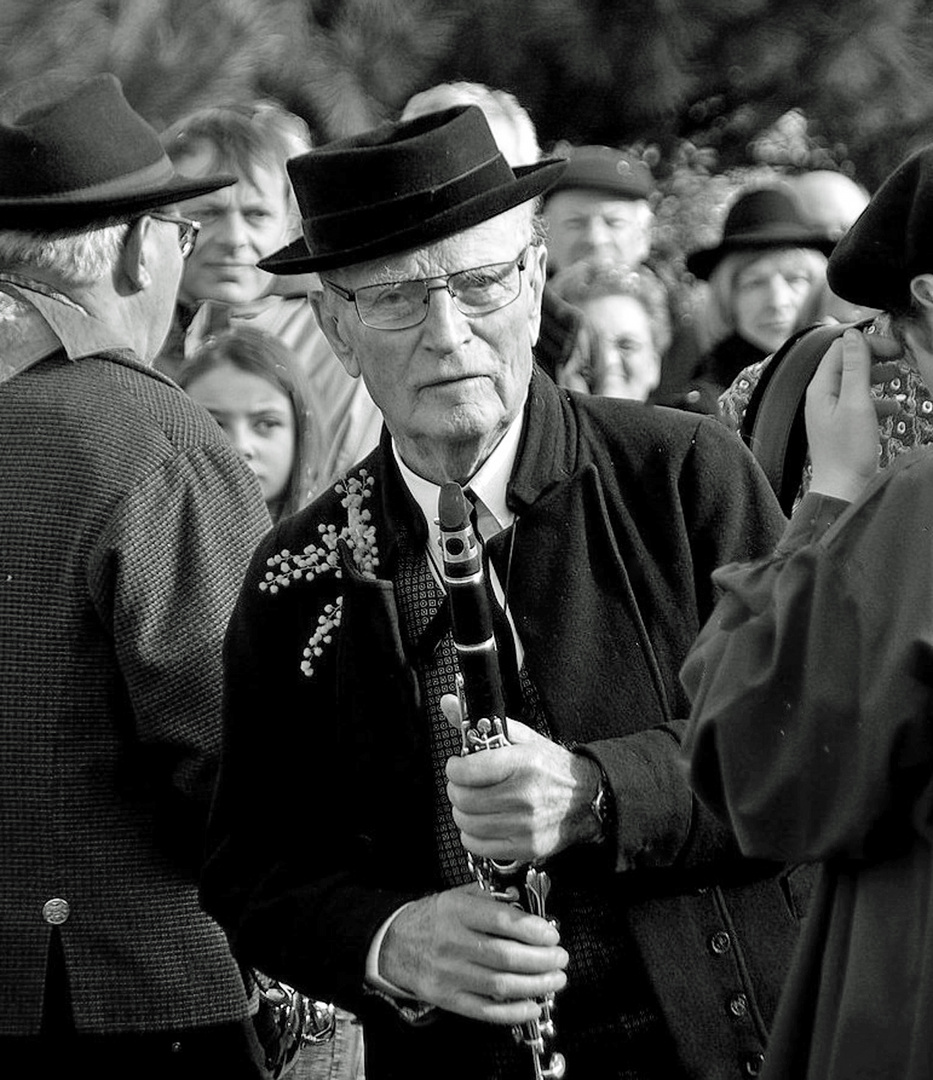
(623, 511)
(127, 522)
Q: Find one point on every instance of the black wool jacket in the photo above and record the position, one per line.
(622, 513)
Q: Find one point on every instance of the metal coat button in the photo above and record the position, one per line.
(738, 1005)
(720, 942)
(56, 911)
(754, 1064)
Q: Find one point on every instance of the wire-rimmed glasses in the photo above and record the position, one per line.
(399, 305)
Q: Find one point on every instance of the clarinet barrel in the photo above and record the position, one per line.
(484, 727)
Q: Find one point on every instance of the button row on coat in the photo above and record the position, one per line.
(720, 943)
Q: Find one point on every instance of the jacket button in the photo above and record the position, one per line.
(754, 1064)
(56, 911)
(738, 1005)
(720, 942)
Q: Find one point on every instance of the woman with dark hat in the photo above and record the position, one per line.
(760, 274)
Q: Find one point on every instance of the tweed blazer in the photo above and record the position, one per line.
(623, 511)
(126, 524)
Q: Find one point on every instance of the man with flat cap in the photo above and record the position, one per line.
(126, 528)
(603, 522)
(600, 211)
(599, 207)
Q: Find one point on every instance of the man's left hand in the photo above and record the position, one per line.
(525, 801)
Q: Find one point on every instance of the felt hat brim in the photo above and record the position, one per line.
(530, 181)
(703, 262)
(81, 155)
(83, 208)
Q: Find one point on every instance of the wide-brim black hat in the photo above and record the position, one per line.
(889, 243)
(86, 156)
(766, 217)
(400, 186)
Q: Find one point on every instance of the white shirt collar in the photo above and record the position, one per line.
(488, 484)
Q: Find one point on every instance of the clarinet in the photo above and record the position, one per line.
(484, 727)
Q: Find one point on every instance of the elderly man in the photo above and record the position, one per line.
(599, 208)
(126, 528)
(603, 523)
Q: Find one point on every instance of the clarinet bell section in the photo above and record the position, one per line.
(484, 727)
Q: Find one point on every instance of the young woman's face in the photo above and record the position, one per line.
(767, 297)
(256, 417)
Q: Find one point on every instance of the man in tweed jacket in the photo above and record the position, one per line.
(125, 530)
(604, 520)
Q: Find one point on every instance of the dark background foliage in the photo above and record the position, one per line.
(701, 87)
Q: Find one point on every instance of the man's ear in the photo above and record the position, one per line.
(921, 288)
(334, 332)
(536, 270)
(134, 265)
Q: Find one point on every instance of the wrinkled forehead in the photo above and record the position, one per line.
(499, 239)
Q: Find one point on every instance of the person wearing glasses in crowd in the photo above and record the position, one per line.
(223, 287)
(127, 525)
(603, 522)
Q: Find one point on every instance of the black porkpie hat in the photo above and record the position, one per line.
(85, 157)
(400, 186)
(889, 243)
(760, 219)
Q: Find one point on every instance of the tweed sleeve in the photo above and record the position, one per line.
(164, 577)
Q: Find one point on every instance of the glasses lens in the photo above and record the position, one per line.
(486, 288)
(397, 305)
(394, 306)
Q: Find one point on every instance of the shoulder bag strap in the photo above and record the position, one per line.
(773, 425)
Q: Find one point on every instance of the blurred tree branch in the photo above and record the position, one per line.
(713, 74)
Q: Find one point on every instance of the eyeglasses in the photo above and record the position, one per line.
(399, 305)
(187, 230)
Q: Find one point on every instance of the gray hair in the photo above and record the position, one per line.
(518, 138)
(71, 257)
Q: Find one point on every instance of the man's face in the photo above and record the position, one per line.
(239, 226)
(449, 387)
(591, 224)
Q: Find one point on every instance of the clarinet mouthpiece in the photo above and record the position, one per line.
(452, 510)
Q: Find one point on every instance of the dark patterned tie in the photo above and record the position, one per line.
(422, 606)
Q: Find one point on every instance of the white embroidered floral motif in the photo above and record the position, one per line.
(360, 538)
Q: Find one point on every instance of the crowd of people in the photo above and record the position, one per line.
(242, 833)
